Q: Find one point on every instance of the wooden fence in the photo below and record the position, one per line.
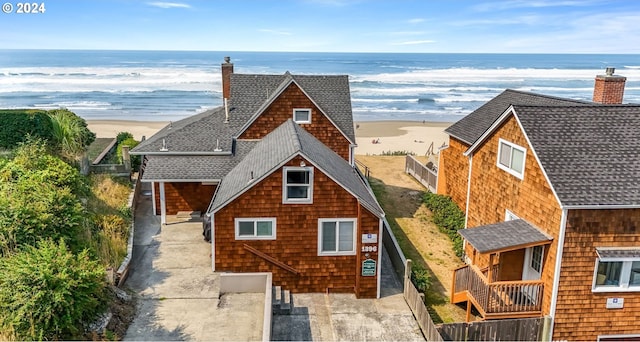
(416, 303)
(426, 176)
(524, 329)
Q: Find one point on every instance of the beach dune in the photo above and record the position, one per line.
(372, 137)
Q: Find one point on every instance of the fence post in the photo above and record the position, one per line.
(407, 271)
(547, 323)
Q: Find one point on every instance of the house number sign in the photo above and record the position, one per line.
(366, 249)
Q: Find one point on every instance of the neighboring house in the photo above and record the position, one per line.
(273, 172)
(552, 199)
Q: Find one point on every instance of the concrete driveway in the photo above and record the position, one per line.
(179, 295)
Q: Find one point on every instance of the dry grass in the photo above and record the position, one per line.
(110, 217)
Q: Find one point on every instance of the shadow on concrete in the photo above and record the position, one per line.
(293, 327)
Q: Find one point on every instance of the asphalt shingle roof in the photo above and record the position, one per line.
(279, 146)
(203, 132)
(504, 236)
(193, 168)
(591, 154)
(472, 126)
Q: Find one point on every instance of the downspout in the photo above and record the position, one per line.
(153, 198)
(556, 272)
(380, 247)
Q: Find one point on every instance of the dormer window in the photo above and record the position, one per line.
(302, 115)
(297, 185)
(511, 158)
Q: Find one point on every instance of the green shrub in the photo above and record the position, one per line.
(122, 136)
(18, 124)
(448, 217)
(135, 160)
(70, 132)
(421, 278)
(46, 292)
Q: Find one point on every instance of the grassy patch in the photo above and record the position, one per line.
(111, 218)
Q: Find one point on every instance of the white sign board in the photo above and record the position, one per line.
(615, 303)
(369, 238)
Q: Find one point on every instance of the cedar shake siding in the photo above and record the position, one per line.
(296, 243)
(454, 172)
(282, 109)
(493, 191)
(187, 196)
(580, 313)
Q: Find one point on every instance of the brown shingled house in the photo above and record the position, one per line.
(552, 200)
(272, 171)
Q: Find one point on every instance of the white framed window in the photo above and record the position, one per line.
(616, 272)
(511, 158)
(255, 228)
(337, 236)
(297, 184)
(302, 115)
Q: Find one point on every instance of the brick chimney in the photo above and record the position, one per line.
(227, 70)
(609, 88)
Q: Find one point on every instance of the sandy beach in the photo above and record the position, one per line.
(390, 136)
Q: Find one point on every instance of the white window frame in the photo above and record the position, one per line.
(255, 221)
(308, 110)
(625, 274)
(512, 146)
(337, 221)
(288, 200)
(510, 216)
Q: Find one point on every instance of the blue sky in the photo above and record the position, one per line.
(527, 26)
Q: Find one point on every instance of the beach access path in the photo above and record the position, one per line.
(401, 198)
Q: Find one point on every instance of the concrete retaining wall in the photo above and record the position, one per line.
(251, 283)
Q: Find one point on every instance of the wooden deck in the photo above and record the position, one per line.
(497, 299)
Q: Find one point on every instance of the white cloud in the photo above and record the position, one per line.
(504, 5)
(278, 32)
(415, 42)
(407, 33)
(163, 4)
(416, 20)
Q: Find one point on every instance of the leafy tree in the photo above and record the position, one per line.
(47, 292)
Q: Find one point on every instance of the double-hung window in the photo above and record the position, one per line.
(302, 115)
(336, 236)
(511, 158)
(297, 185)
(617, 270)
(255, 228)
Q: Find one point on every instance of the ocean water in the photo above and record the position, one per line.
(170, 85)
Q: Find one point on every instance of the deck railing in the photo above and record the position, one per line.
(499, 299)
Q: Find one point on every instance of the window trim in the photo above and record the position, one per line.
(285, 199)
(625, 274)
(308, 110)
(508, 169)
(337, 221)
(255, 221)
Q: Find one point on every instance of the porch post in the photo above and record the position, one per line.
(490, 272)
(163, 205)
(468, 318)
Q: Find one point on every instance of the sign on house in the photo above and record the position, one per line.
(369, 238)
(369, 268)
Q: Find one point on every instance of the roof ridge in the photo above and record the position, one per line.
(547, 96)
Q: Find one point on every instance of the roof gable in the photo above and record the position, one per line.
(251, 95)
(277, 148)
(471, 127)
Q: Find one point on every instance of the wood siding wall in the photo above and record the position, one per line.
(580, 313)
(453, 172)
(188, 196)
(493, 191)
(296, 241)
(282, 109)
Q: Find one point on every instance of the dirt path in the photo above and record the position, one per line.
(401, 197)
